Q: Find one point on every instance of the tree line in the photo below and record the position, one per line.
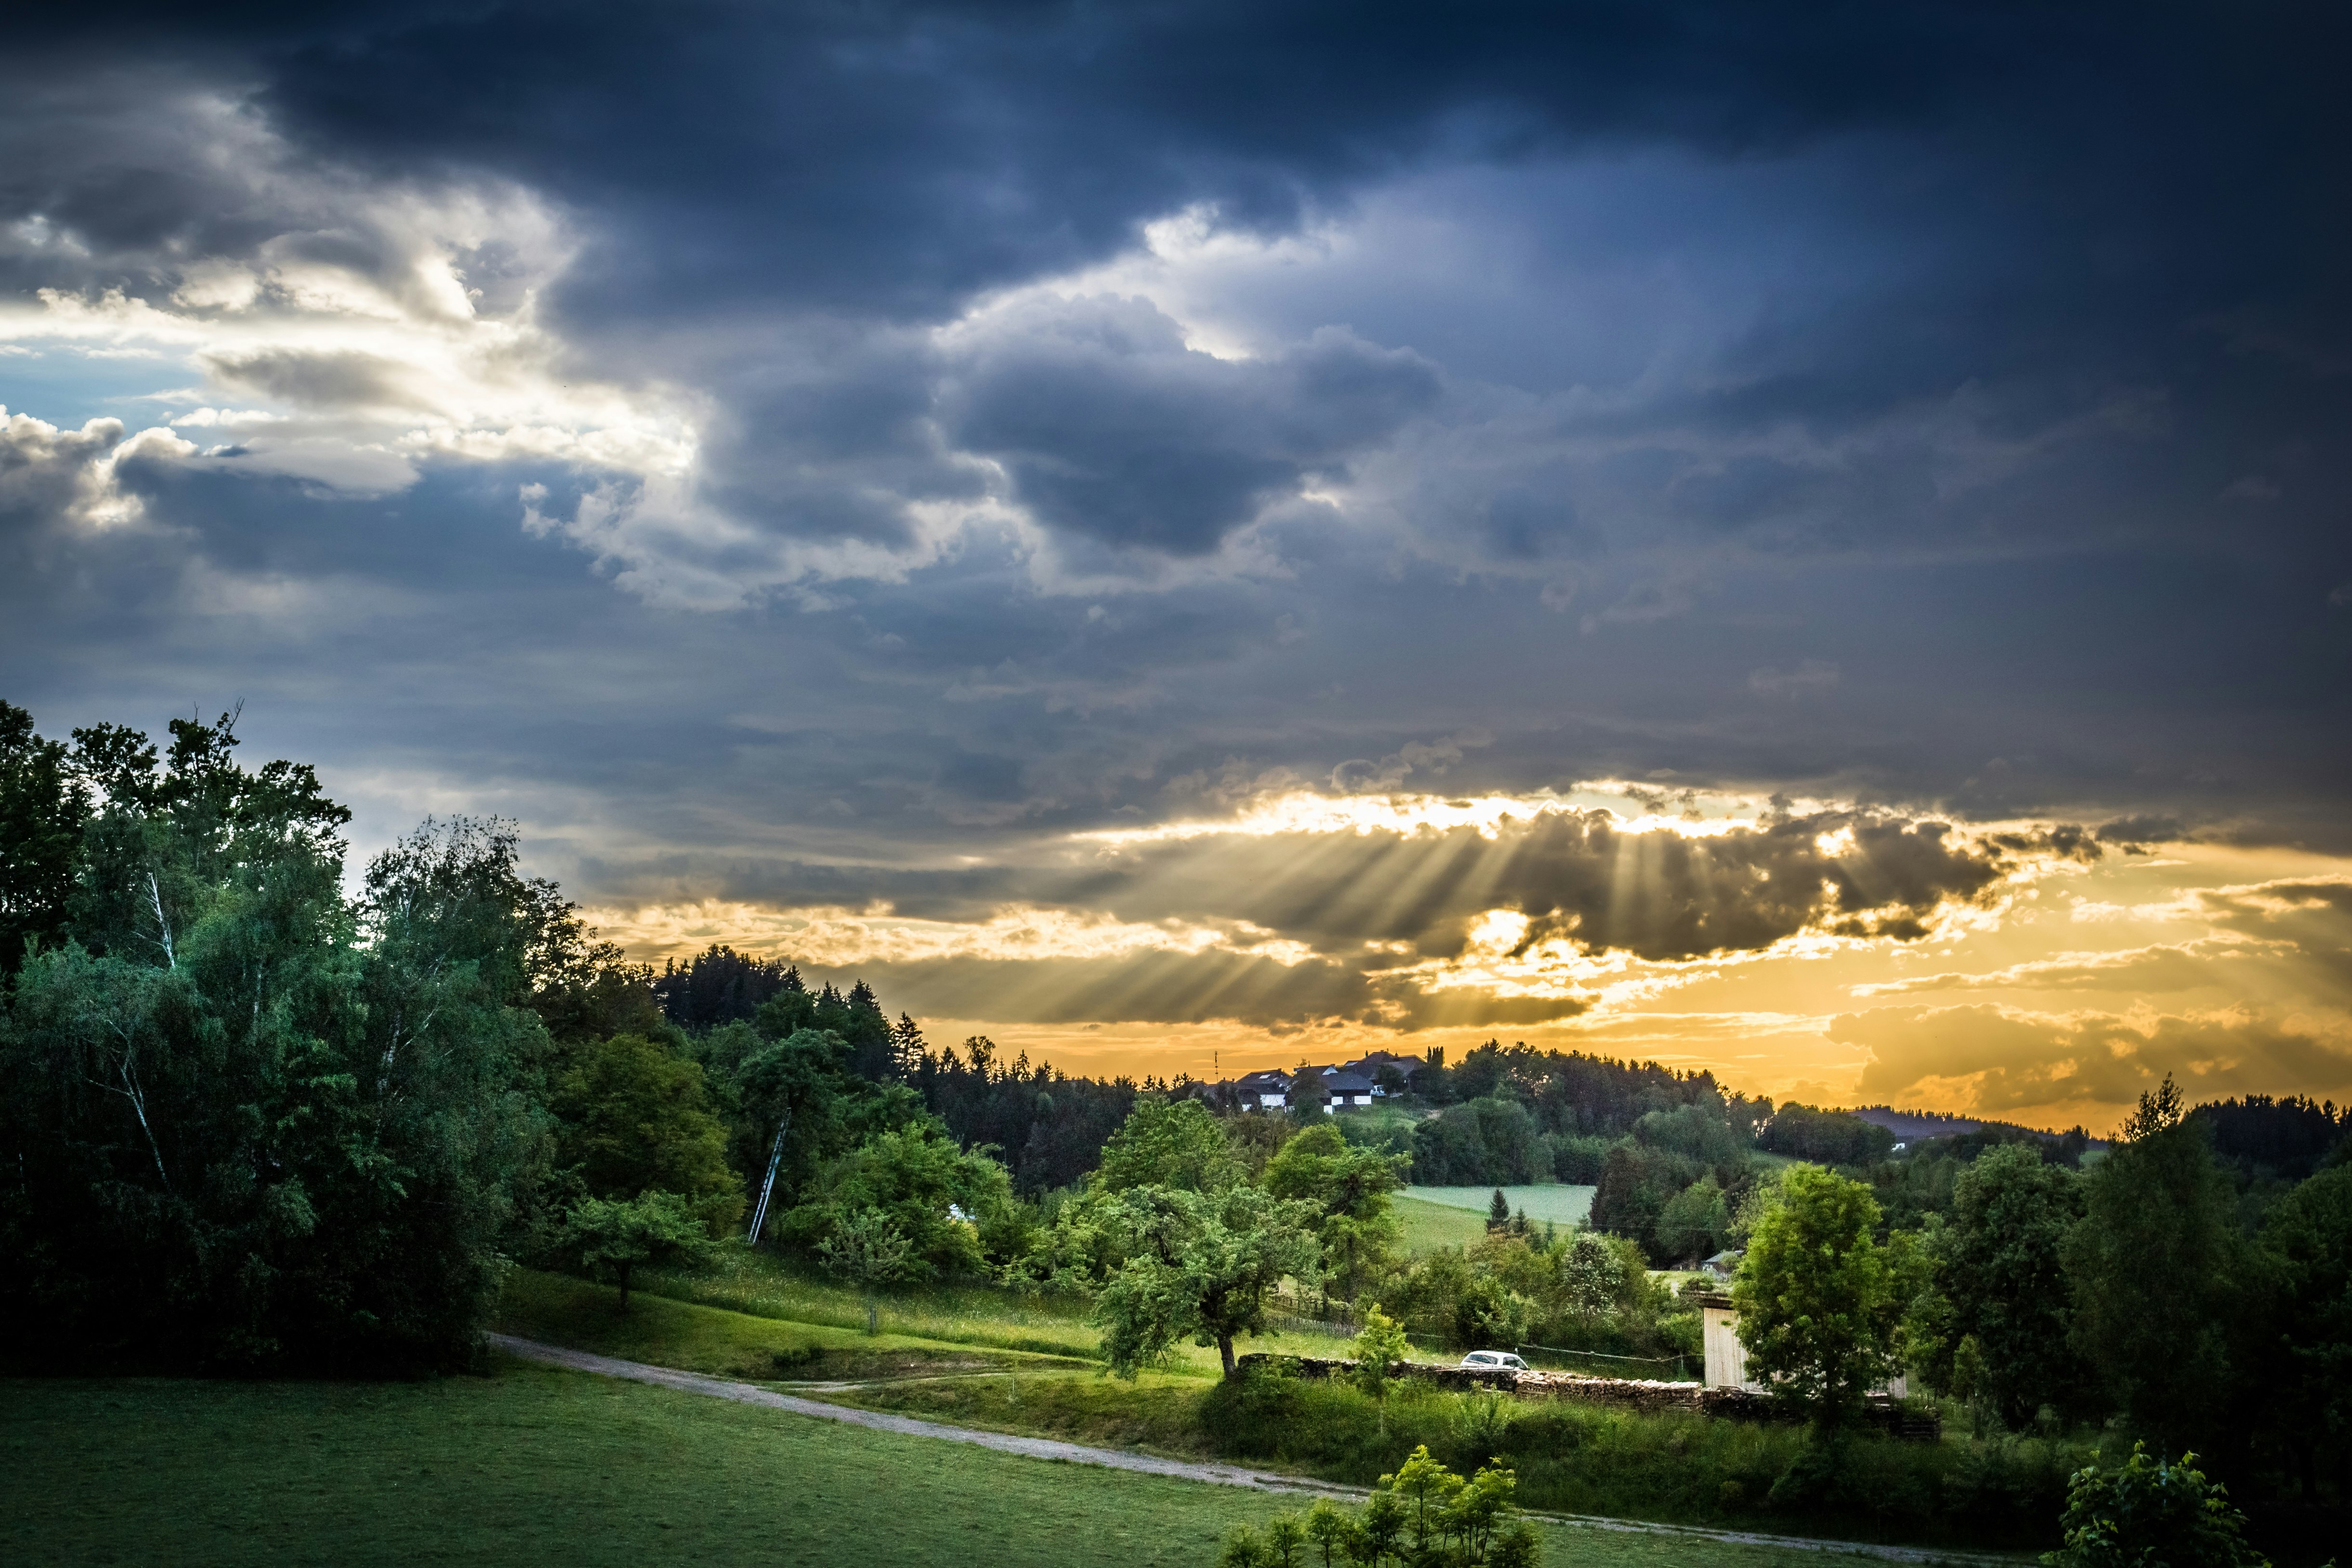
(251, 1116)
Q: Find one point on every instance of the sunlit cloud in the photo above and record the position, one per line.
(844, 939)
(1306, 811)
(2178, 966)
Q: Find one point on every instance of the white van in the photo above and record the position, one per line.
(1493, 1361)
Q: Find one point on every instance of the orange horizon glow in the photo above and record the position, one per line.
(2047, 999)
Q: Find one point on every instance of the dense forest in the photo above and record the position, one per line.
(255, 1116)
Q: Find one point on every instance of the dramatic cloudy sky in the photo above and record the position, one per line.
(1808, 539)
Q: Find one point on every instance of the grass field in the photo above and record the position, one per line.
(566, 1311)
(763, 1286)
(1429, 1226)
(537, 1466)
(1560, 1203)
(735, 1319)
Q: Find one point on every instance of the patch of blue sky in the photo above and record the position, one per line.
(68, 387)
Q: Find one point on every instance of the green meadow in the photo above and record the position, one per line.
(1560, 1203)
(529, 1465)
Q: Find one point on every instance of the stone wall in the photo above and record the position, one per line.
(1622, 1393)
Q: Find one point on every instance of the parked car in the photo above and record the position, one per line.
(1493, 1361)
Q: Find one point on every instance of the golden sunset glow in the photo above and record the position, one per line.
(2041, 980)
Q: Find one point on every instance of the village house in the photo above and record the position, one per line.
(1401, 1070)
(1264, 1090)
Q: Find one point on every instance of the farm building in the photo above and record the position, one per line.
(1727, 1357)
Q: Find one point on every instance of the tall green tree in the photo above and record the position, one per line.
(867, 1249)
(632, 1118)
(1349, 1186)
(223, 1152)
(2159, 1273)
(2307, 1369)
(1595, 1275)
(1821, 1302)
(947, 1202)
(1199, 1266)
(1694, 1222)
(1999, 1276)
(43, 805)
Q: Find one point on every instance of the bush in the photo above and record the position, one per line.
(1573, 1458)
(2148, 1511)
(1422, 1513)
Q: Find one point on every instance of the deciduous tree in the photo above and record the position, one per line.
(1351, 1187)
(1167, 1144)
(1819, 1301)
(1197, 1266)
(2000, 1282)
(610, 1237)
(43, 805)
(1380, 1346)
(2156, 1268)
(632, 1117)
(247, 1123)
(867, 1249)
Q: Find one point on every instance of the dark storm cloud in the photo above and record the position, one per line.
(1989, 358)
(1578, 876)
(896, 156)
(1110, 426)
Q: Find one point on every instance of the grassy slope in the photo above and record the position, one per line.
(539, 1466)
(1429, 1226)
(763, 1286)
(1560, 1203)
(730, 1344)
(756, 1285)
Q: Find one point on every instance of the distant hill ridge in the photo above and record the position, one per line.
(1909, 1125)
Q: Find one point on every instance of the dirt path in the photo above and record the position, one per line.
(1149, 1464)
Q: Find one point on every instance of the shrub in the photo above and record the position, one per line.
(1572, 1458)
(2148, 1511)
(1421, 1513)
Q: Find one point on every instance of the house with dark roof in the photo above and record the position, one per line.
(1264, 1090)
(1374, 1063)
